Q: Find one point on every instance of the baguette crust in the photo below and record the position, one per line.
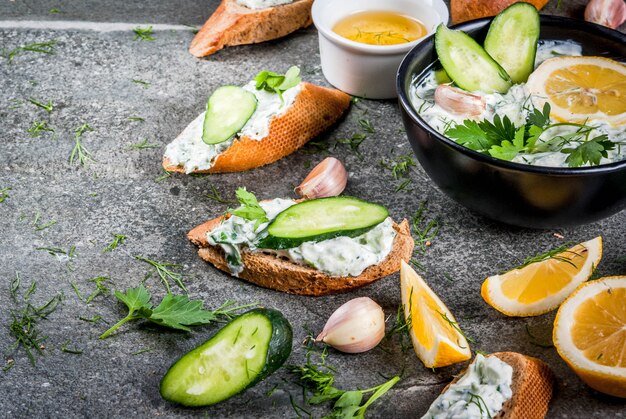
(279, 274)
(314, 110)
(233, 24)
(531, 386)
(464, 10)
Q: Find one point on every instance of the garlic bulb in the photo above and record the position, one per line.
(609, 13)
(329, 178)
(357, 326)
(459, 102)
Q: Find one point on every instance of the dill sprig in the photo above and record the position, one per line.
(143, 34)
(353, 142)
(135, 119)
(65, 347)
(401, 327)
(142, 145)
(164, 272)
(480, 402)
(80, 153)
(118, 240)
(425, 233)
(163, 176)
(62, 254)
(535, 341)
(216, 196)
(38, 226)
(94, 319)
(4, 194)
(366, 125)
(39, 127)
(455, 326)
(39, 47)
(566, 257)
(101, 287)
(46, 106)
(142, 83)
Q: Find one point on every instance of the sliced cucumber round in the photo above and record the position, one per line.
(512, 40)
(242, 353)
(227, 111)
(468, 64)
(322, 219)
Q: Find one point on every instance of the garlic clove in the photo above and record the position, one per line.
(609, 13)
(459, 102)
(328, 178)
(357, 326)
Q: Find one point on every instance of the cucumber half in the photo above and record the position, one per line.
(322, 219)
(512, 40)
(241, 354)
(227, 111)
(468, 64)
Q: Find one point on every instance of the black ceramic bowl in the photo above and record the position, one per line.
(514, 193)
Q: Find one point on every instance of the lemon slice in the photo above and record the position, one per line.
(435, 334)
(590, 334)
(542, 286)
(581, 88)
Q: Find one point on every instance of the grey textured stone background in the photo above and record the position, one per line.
(89, 79)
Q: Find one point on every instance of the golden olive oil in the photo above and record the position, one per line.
(380, 28)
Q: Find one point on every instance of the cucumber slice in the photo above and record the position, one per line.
(227, 111)
(512, 40)
(468, 64)
(322, 219)
(241, 354)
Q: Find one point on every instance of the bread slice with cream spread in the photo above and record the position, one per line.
(239, 22)
(281, 124)
(319, 268)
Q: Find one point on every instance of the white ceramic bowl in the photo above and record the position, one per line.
(364, 70)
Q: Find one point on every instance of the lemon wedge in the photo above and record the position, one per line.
(581, 88)
(542, 286)
(590, 334)
(436, 336)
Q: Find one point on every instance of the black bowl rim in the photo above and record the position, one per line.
(505, 164)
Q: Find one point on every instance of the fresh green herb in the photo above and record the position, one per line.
(65, 347)
(61, 254)
(15, 286)
(250, 208)
(535, 341)
(38, 226)
(40, 47)
(480, 402)
(102, 287)
(143, 145)
(193, 29)
(55, 11)
(135, 119)
(425, 234)
(93, 319)
(399, 166)
(319, 379)
(142, 351)
(25, 320)
(118, 240)
(38, 128)
(16, 104)
(217, 197)
(143, 34)
(366, 125)
(455, 326)
(164, 272)
(4, 194)
(47, 107)
(80, 153)
(314, 147)
(353, 142)
(163, 176)
(174, 311)
(76, 291)
(278, 83)
(401, 328)
(552, 254)
(142, 83)
(403, 186)
(590, 151)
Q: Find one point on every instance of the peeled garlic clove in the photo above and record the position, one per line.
(459, 102)
(357, 326)
(609, 13)
(329, 178)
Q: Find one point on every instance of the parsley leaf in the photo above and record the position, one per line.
(540, 119)
(501, 129)
(250, 208)
(590, 151)
(278, 83)
(507, 150)
(471, 135)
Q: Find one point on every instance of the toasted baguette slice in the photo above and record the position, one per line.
(233, 24)
(531, 386)
(279, 274)
(314, 110)
(464, 10)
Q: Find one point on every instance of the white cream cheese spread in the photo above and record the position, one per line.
(479, 393)
(341, 256)
(516, 105)
(262, 4)
(188, 149)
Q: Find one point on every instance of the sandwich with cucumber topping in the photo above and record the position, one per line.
(312, 247)
(249, 126)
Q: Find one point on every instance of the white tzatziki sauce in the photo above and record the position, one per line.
(340, 256)
(480, 393)
(188, 149)
(262, 4)
(516, 105)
